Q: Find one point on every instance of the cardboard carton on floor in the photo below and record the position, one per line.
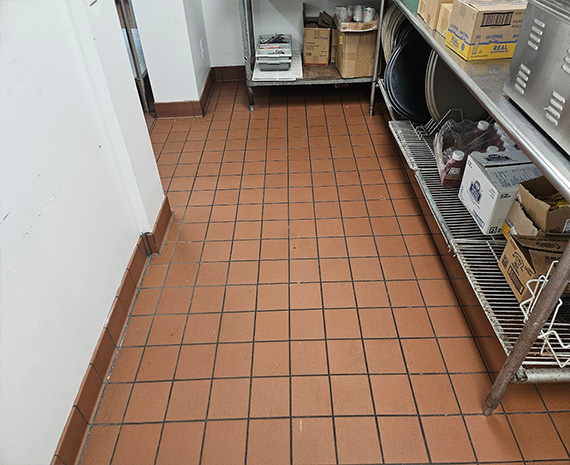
(316, 38)
(485, 29)
(444, 17)
(490, 185)
(429, 11)
(355, 54)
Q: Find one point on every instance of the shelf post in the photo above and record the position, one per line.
(246, 17)
(377, 59)
(544, 307)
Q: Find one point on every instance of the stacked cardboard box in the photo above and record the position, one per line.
(355, 48)
(485, 29)
(317, 38)
(537, 234)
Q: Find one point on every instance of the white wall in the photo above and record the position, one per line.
(166, 45)
(270, 16)
(198, 40)
(77, 187)
(224, 32)
(170, 32)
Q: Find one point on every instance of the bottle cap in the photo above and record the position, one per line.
(482, 125)
(458, 155)
(492, 149)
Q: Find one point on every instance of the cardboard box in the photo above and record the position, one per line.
(526, 258)
(444, 17)
(355, 54)
(490, 185)
(334, 45)
(429, 11)
(485, 29)
(517, 223)
(316, 39)
(546, 217)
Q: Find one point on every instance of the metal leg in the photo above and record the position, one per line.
(131, 41)
(377, 59)
(250, 97)
(544, 307)
(246, 14)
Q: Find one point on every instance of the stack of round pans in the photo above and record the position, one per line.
(391, 22)
(444, 91)
(405, 73)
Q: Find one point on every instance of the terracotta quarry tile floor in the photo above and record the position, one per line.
(300, 311)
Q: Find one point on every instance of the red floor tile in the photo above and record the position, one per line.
(300, 279)
(357, 440)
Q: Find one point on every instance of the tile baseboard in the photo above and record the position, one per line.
(187, 108)
(84, 406)
(229, 73)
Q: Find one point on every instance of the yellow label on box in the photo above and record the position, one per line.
(479, 51)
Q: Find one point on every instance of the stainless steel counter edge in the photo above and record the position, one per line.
(485, 80)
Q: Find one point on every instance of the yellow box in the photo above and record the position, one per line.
(485, 29)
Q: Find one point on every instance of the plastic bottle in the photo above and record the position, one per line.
(475, 140)
(358, 13)
(453, 170)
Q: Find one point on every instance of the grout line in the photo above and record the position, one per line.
(256, 302)
(395, 324)
(119, 345)
(369, 379)
(219, 329)
(329, 377)
(186, 322)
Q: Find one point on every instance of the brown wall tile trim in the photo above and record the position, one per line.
(229, 73)
(81, 415)
(189, 107)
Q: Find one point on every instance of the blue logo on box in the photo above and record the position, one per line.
(462, 46)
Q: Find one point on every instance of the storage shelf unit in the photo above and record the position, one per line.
(485, 79)
(312, 75)
(479, 254)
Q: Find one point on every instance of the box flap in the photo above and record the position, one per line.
(541, 260)
(518, 223)
(509, 157)
(508, 178)
(498, 5)
(547, 243)
(325, 20)
(546, 217)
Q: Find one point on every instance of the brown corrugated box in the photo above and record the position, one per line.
(444, 17)
(528, 257)
(355, 52)
(532, 242)
(316, 38)
(547, 218)
(429, 11)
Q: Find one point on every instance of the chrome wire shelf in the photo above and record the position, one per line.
(477, 253)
